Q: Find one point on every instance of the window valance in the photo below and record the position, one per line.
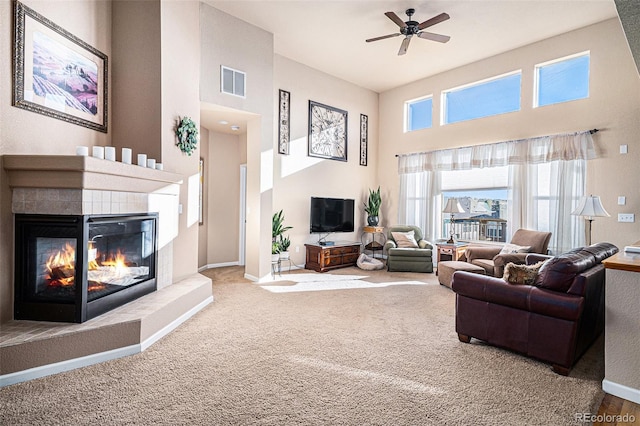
(573, 146)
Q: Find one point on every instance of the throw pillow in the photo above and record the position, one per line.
(513, 248)
(405, 239)
(521, 274)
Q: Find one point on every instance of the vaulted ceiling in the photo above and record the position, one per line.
(330, 35)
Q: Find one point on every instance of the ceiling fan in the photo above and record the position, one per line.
(411, 28)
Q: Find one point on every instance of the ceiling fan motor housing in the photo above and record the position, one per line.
(411, 28)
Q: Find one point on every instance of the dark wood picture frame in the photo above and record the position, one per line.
(327, 132)
(284, 116)
(364, 139)
(71, 85)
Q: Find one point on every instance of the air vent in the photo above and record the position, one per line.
(232, 81)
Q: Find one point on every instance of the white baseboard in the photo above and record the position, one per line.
(621, 391)
(251, 277)
(217, 265)
(72, 364)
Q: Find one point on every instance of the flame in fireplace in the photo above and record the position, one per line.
(119, 263)
(61, 267)
(115, 270)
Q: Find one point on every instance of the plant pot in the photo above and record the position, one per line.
(275, 258)
(284, 255)
(372, 220)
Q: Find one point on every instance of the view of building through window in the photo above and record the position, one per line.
(484, 217)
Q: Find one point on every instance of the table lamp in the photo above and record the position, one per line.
(590, 207)
(452, 207)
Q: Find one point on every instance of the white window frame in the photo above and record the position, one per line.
(536, 76)
(443, 95)
(406, 112)
(234, 71)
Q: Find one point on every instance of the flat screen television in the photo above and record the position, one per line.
(331, 215)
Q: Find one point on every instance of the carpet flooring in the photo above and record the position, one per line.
(363, 355)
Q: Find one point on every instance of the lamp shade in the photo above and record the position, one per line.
(453, 206)
(590, 207)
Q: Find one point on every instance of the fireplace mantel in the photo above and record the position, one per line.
(78, 172)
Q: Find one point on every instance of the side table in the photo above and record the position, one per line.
(373, 239)
(450, 252)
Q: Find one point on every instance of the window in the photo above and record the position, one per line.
(482, 194)
(494, 96)
(232, 81)
(562, 80)
(418, 114)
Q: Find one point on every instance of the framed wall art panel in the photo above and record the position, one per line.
(364, 139)
(284, 128)
(327, 132)
(57, 74)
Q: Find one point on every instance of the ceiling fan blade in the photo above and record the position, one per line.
(435, 20)
(382, 37)
(404, 46)
(395, 18)
(434, 37)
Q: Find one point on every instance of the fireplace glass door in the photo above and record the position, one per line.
(54, 270)
(120, 254)
(73, 268)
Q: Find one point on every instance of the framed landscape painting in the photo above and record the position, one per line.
(327, 132)
(57, 74)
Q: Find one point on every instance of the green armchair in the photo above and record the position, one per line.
(402, 256)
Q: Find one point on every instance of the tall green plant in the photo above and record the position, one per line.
(277, 225)
(284, 243)
(373, 204)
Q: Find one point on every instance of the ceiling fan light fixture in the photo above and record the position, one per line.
(411, 28)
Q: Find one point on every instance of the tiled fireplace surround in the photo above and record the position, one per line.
(72, 185)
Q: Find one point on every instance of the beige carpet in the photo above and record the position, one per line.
(367, 356)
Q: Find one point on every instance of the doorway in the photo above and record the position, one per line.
(243, 215)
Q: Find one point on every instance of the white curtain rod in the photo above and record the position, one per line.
(592, 131)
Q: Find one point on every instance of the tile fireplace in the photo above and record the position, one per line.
(71, 268)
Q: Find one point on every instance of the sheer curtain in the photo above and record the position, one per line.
(547, 178)
(542, 197)
(421, 206)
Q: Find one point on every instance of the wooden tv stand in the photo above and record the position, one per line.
(324, 258)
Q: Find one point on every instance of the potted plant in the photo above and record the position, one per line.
(275, 251)
(277, 231)
(284, 243)
(372, 207)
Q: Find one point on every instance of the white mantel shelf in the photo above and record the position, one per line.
(78, 172)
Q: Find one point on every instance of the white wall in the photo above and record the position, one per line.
(229, 41)
(180, 97)
(613, 106)
(223, 189)
(203, 230)
(297, 176)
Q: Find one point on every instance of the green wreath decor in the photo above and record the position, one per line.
(187, 133)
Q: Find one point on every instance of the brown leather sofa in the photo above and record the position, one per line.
(555, 320)
(493, 262)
